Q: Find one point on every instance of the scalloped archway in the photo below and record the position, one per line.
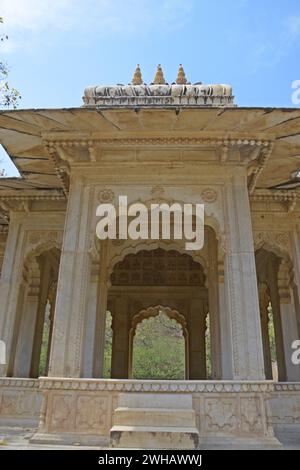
(152, 312)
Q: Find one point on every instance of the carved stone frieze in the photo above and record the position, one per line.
(148, 386)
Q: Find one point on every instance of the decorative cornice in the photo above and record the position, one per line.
(66, 149)
(287, 197)
(20, 201)
(45, 196)
(287, 387)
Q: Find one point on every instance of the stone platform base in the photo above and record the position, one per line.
(146, 437)
(69, 439)
(236, 443)
(226, 414)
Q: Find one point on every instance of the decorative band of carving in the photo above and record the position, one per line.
(54, 196)
(155, 386)
(274, 196)
(149, 385)
(287, 387)
(214, 141)
(19, 383)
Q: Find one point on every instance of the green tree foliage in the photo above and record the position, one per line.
(272, 341)
(108, 347)
(208, 348)
(158, 349)
(44, 349)
(9, 96)
(45, 342)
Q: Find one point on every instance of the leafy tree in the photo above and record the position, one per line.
(159, 349)
(108, 347)
(272, 342)
(9, 96)
(208, 347)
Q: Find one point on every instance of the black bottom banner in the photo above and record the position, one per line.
(135, 458)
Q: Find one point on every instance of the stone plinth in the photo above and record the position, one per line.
(226, 412)
(154, 421)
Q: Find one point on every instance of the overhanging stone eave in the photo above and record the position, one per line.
(31, 194)
(87, 109)
(278, 124)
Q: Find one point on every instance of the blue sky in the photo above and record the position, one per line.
(58, 47)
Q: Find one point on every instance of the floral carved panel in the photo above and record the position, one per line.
(91, 414)
(221, 414)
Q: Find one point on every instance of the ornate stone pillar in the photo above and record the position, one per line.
(45, 278)
(23, 356)
(52, 299)
(120, 343)
(241, 283)
(276, 311)
(101, 308)
(90, 322)
(74, 276)
(197, 352)
(213, 305)
(225, 327)
(12, 291)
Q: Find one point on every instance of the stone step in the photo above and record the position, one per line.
(154, 421)
(154, 437)
(155, 400)
(154, 417)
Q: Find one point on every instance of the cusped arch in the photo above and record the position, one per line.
(150, 246)
(153, 311)
(38, 249)
(281, 253)
(272, 247)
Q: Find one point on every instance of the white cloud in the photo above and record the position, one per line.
(275, 48)
(26, 20)
(36, 14)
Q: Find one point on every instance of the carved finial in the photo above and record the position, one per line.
(181, 78)
(159, 76)
(137, 76)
